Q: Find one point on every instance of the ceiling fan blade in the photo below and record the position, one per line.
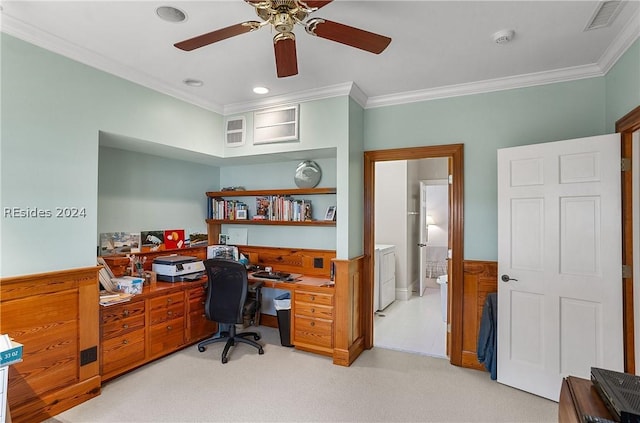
(315, 3)
(348, 35)
(218, 35)
(286, 57)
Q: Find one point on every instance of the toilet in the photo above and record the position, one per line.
(442, 281)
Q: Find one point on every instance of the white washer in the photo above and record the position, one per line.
(384, 276)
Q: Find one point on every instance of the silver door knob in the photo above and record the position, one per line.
(506, 278)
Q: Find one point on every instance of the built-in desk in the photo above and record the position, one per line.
(312, 312)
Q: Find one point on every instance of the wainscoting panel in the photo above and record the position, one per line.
(480, 278)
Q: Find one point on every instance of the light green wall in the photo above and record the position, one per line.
(484, 123)
(140, 192)
(52, 111)
(356, 181)
(623, 86)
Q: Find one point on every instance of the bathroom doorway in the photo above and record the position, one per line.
(411, 231)
(454, 154)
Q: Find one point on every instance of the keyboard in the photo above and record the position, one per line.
(279, 276)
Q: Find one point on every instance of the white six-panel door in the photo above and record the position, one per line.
(559, 241)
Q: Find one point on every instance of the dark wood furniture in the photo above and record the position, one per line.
(579, 398)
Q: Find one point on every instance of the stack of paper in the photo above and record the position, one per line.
(107, 299)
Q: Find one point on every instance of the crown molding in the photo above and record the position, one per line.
(47, 41)
(487, 86)
(297, 97)
(629, 34)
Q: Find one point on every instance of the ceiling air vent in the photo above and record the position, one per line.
(604, 14)
(235, 131)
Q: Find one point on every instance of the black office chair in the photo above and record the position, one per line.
(227, 304)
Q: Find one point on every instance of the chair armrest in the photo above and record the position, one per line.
(255, 286)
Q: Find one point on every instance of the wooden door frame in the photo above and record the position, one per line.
(626, 126)
(455, 152)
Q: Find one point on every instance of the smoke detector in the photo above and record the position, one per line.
(504, 36)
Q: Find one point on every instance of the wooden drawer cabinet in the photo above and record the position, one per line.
(198, 326)
(123, 340)
(314, 310)
(118, 312)
(166, 307)
(166, 323)
(314, 297)
(123, 351)
(313, 320)
(166, 336)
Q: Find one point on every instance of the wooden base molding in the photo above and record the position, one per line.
(55, 316)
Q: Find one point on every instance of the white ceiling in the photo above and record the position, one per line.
(439, 48)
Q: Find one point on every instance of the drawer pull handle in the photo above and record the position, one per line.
(125, 313)
(169, 313)
(169, 300)
(169, 328)
(125, 341)
(313, 310)
(313, 298)
(312, 323)
(125, 326)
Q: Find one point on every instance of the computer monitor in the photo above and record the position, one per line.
(229, 252)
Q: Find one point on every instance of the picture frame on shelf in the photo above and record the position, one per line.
(330, 213)
(241, 214)
(222, 239)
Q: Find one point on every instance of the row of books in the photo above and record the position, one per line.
(274, 207)
(283, 208)
(226, 209)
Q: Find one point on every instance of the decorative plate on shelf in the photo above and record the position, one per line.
(308, 174)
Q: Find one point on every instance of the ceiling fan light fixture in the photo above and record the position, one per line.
(192, 82)
(261, 90)
(171, 14)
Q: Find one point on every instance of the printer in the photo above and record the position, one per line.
(175, 268)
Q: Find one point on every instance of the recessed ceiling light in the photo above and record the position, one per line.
(171, 14)
(193, 82)
(260, 90)
(504, 36)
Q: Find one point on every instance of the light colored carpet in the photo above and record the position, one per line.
(287, 385)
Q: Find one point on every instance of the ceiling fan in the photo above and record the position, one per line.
(283, 15)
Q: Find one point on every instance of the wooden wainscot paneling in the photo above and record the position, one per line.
(349, 319)
(55, 316)
(480, 278)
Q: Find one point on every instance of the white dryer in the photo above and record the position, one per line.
(384, 276)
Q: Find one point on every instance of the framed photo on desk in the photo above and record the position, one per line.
(330, 213)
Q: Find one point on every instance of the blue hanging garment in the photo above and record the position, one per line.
(488, 335)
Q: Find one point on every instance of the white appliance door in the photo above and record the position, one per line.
(559, 250)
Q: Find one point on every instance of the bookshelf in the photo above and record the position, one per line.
(214, 225)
